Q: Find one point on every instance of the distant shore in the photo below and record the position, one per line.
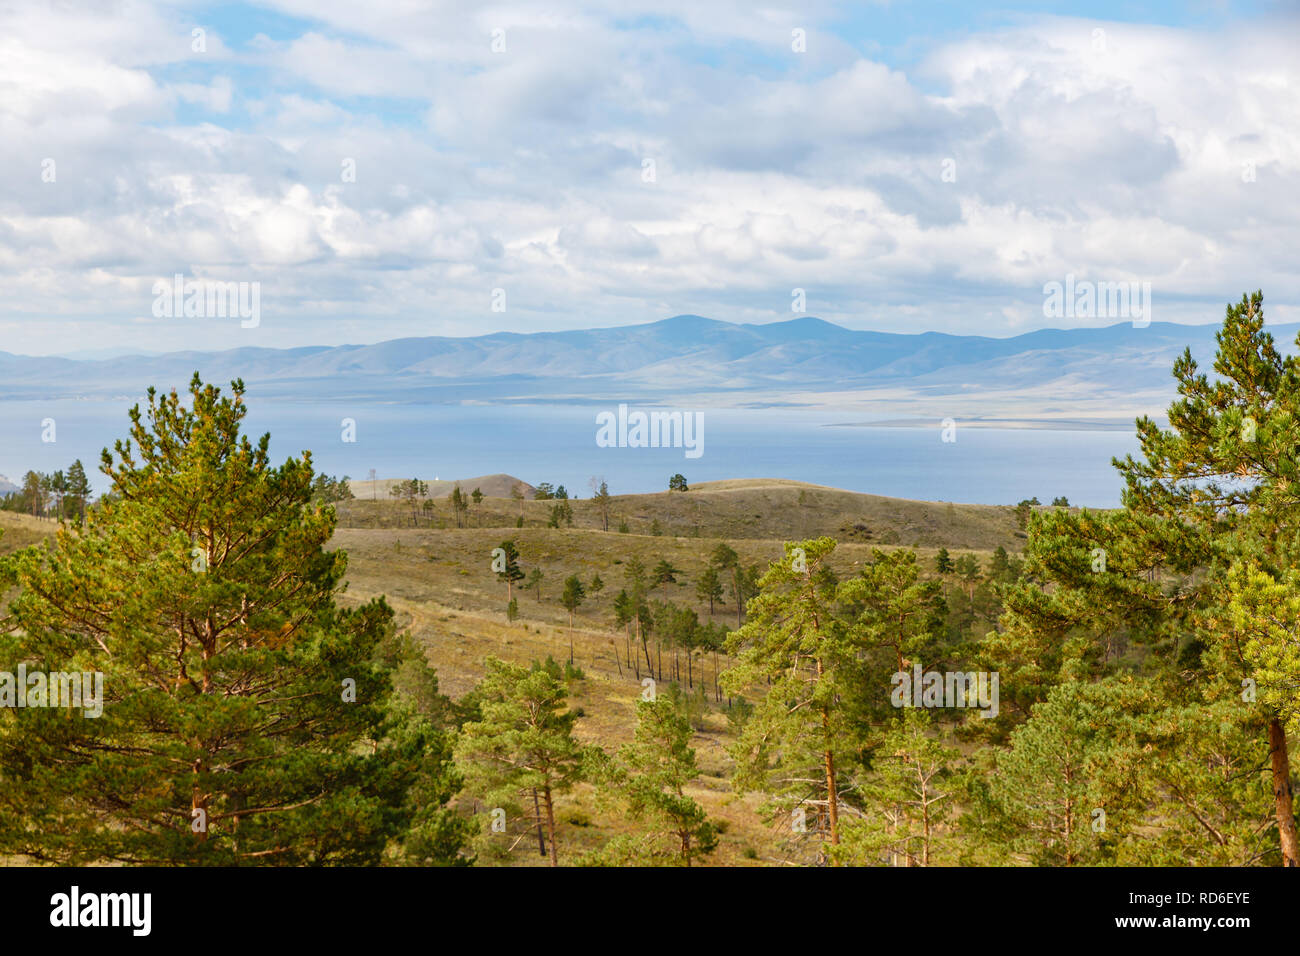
(1051, 424)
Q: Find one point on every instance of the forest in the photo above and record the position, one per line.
(718, 701)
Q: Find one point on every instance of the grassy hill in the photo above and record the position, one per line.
(752, 508)
(22, 530)
(497, 486)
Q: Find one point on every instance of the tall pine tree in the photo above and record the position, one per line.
(246, 718)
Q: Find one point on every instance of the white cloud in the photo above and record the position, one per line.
(523, 170)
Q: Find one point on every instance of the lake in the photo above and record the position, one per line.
(558, 444)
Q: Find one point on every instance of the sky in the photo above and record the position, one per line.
(400, 168)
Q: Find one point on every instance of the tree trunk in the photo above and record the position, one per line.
(550, 824)
(198, 805)
(537, 815)
(832, 808)
(645, 646)
(925, 849)
(1282, 792)
(739, 602)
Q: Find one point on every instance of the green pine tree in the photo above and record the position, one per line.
(651, 775)
(803, 662)
(245, 717)
(521, 752)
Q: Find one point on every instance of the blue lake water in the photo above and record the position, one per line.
(558, 444)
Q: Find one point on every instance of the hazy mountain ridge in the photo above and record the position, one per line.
(799, 361)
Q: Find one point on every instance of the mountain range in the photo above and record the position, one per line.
(1091, 374)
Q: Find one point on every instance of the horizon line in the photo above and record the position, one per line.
(72, 357)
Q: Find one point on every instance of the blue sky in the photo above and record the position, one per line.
(909, 166)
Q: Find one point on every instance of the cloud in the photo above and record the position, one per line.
(380, 169)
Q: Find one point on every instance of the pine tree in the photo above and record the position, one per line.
(33, 493)
(522, 745)
(708, 587)
(602, 499)
(508, 570)
(78, 490)
(1056, 796)
(725, 559)
(891, 607)
(968, 569)
(1000, 565)
(638, 613)
(244, 717)
(908, 798)
(794, 652)
(664, 573)
(651, 775)
(1226, 476)
(460, 503)
(571, 599)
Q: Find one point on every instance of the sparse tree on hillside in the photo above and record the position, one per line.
(635, 577)
(459, 505)
(78, 490)
(725, 559)
(968, 569)
(665, 574)
(709, 588)
(652, 774)
(600, 494)
(33, 493)
(522, 744)
(1000, 564)
(561, 514)
(508, 569)
(571, 599)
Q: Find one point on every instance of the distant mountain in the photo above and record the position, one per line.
(7, 486)
(1102, 373)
